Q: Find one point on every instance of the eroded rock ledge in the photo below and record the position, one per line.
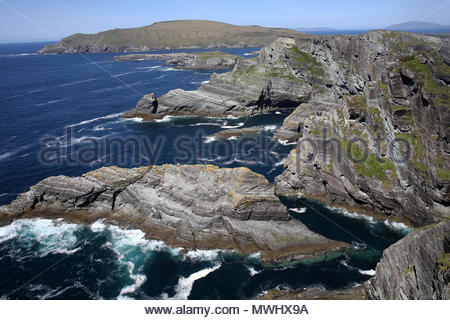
(194, 206)
(253, 86)
(212, 60)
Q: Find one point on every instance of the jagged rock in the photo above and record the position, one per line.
(356, 293)
(195, 206)
(236, 132)
(253, 86)
(379, 89)
(201, 60)
(416, 267)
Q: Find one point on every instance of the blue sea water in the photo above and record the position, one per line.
(53, 96)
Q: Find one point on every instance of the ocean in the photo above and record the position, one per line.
(75, 101)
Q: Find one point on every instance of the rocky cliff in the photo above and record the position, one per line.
(194, 206)
(254, 86)
(375, 106)
(416, 267)
(386, 86)
(213, 60)
(179, 34)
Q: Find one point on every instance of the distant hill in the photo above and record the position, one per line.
(420, 26)
(179, 34)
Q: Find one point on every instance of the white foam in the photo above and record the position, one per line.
(370, 272)
(210, 139)
(77, 82)
(184, 285)
(109, 116)
(9, 154)
(232, 117)
(205, 82)
(225, 126)
(49, 102)
(205, 124)
(353, 215)
(170, 69)
(148, 68)
(277, 112)
(165, 119)
(137, 119)
(255, 255)
(201, 255)
(397, 226)
(138, 281)
(53, 236)
(298, 210)
(269, 127)
(252, 271)
(286, 142)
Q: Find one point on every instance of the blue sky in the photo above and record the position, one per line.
(42, 20)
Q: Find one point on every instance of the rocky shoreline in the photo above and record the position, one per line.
(192, 206)
(208, 60)
(376, 87)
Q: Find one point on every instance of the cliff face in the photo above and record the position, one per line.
(388, 90)
(180, 34)
(194, 206)
(416, 267)
(254, 86)
(391, 85)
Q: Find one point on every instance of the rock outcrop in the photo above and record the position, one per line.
(236, 132)
(254, 86)
(213, 60)
(194, 206)
(390, 90)
(416, 267)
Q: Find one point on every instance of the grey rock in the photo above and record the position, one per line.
(214, 60)
(253, 86)
(194, 206)
(416, 267)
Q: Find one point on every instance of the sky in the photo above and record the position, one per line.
(51, 20)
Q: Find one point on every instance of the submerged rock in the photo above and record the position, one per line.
(194, 206)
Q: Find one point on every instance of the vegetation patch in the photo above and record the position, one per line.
(383, 88)
(416, 144)
(356, 101)
(444, 263)
(304, 60)
(409, 270)
(441, 93)
(443, 173)
(382, 169)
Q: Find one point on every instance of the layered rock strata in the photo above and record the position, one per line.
(194, 206)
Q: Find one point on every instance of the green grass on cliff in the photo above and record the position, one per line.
(441, 93)
(382, 169)
(356, 101)
(444, 263)
(417, 150)
(304, 60)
